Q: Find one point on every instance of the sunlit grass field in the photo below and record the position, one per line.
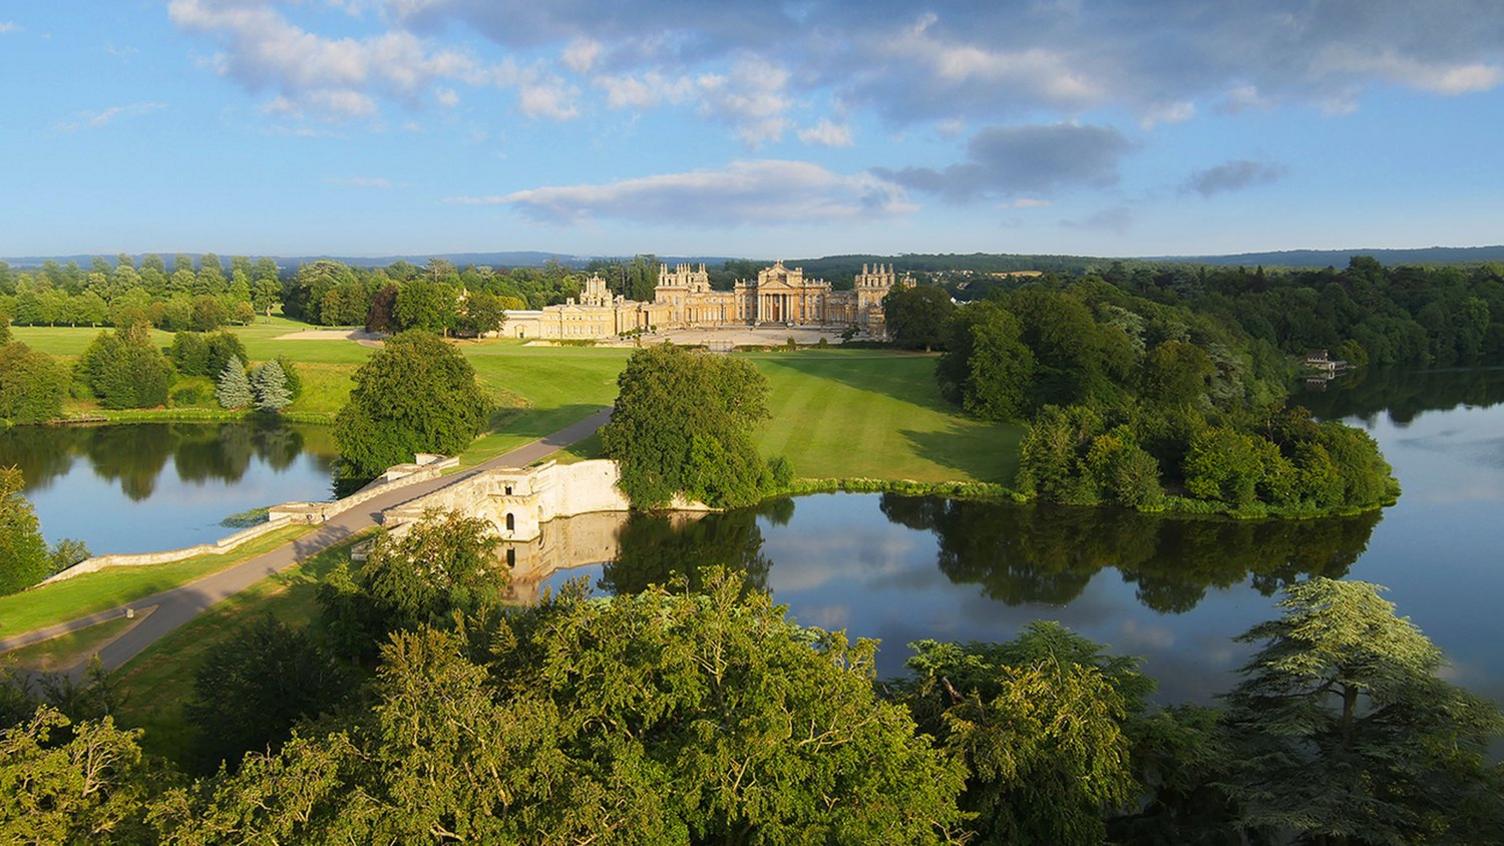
(835, 413)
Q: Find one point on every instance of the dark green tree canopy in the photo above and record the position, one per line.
(32, 385)
(917, 318)
(415, 394)
(125, 370)
(1342, 727)
(683, 424)
(24, 560)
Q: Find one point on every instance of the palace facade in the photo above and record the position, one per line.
(683, 299)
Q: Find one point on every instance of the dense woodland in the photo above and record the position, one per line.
(419, 708)
(1163, 386)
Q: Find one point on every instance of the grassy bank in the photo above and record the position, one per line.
(108, 588)
(157, 683)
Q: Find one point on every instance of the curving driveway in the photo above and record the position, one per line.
(165, 611)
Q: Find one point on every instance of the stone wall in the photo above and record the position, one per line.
(518, 502)
(141, 559)
(278, 516)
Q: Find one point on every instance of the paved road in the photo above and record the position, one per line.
(169, 609)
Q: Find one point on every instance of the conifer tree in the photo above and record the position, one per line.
(270, 386)
(233, 389)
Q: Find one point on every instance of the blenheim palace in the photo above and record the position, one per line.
(683, 299)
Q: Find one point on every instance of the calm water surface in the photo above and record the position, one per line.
(1173, 591)
(151, 486)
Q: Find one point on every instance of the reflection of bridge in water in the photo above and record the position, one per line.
(568, 542)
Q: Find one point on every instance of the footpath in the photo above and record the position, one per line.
(160, 613)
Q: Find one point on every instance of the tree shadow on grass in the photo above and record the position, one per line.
(537, 422)
(908, 377)
(986, 453)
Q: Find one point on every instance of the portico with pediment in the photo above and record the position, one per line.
(781, 295)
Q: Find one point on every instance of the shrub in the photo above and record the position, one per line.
(32, 385)
(124, 370)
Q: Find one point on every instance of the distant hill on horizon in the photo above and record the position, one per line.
(1339, 258)
(907, 261)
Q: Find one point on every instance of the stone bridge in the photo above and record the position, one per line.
(549, 516)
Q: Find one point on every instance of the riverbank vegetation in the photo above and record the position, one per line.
(697, 714)
(1149, 406)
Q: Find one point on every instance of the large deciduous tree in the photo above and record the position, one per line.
(24, 559)
(431, 306)
(125, 370)
(254, 686)
(415, 394)
(683, 424)
(917, 317)
(1041, 725)
(665, 717)
(32, 385)
(445, 563)
(987, 368)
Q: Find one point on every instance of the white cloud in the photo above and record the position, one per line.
(340, 78)
(1028, 203)
(651, 88)
(104, 117)
(581, 54)
(827, 133)
(1439, 77)
(751, 96)
(761, 191)
(9, 26)
(1177, 112)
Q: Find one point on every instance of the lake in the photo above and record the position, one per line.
(1173, 591)
(151, 486)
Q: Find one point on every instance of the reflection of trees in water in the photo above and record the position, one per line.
(135, 454)
(42, 452)
(1404, 394)
(1047, 554)
(132, 455)
(656, 547)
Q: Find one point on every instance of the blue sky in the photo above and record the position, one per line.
(368, 127)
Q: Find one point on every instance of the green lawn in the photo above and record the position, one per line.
(80, 595)
(65, 651)
(836, 413)
(879, 415)
(157, 683)
(540, 390)
(868, 414)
